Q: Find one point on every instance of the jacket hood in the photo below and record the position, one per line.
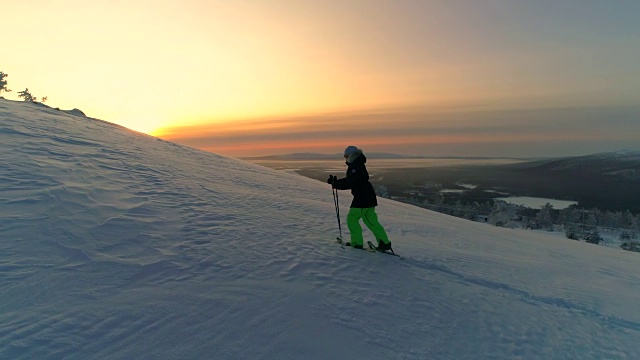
(356, 156)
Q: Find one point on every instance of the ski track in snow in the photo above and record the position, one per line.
(118, 245)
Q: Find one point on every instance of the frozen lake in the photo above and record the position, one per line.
(537, 203)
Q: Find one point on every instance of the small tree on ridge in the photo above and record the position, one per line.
(3, 82)
(26, 95)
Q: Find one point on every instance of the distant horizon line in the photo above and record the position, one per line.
(383, 155)
(387, 155)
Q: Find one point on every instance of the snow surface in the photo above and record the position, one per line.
(118, 245)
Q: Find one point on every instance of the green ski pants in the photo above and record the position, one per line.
(370, 218)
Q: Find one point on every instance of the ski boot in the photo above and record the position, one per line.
(382, 246)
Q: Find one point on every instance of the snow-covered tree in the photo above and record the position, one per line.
(382, 191)
(474, 210)
(593, 236)
(627, 235)
(611, 219)
(571, 232)
(435, 202)
(631, 246)
(458, 209)
(3, 82)
(591, 219)
(628, 221)
(503, 214)
(570, 215)
(545, 217)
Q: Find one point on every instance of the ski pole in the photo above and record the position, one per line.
(336, 203)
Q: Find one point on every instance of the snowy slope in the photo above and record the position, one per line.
(118, 245)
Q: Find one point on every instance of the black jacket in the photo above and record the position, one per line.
(358, 181)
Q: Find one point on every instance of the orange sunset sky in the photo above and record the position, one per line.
(416, 77)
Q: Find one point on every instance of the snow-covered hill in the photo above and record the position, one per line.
(118, 245)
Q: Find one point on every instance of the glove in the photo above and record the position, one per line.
(332, 179)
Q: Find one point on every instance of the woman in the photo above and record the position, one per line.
(364, 200)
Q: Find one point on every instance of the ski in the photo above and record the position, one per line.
(343, 244)
(371, 246)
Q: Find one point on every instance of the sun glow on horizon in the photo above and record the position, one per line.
(417, 133)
